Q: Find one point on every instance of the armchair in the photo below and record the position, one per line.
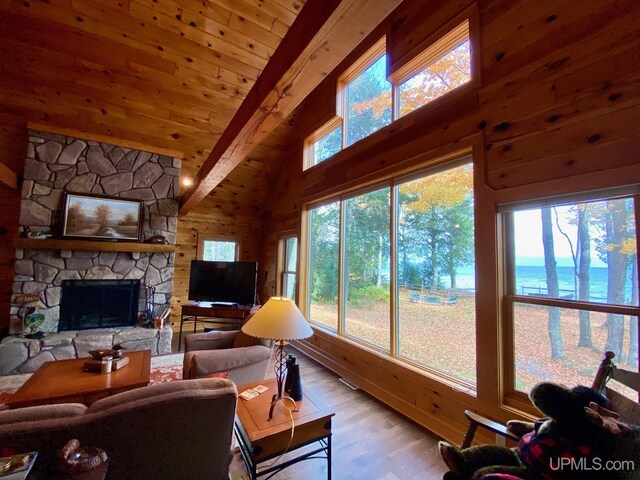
(244, 358)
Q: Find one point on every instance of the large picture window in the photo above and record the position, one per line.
(436, 294)
(366, 267)
(573, 286)
(323, 264)
(429, 275)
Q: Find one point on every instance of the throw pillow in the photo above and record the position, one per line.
(218, 375)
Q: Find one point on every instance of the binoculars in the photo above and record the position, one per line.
(293, 385)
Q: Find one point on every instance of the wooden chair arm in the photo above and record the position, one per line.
(476, 421)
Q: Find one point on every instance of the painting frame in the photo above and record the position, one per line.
(101, 218)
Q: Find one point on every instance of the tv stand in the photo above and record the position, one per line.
(225, 317)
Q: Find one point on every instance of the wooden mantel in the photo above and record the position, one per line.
(56, 244)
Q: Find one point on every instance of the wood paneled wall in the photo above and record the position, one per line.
(555, 111)
(213, 216)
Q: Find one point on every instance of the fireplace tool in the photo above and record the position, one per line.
(150, 290)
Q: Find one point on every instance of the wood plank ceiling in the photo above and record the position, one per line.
(166, 73)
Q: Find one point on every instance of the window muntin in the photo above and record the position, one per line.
(436, 294)
(368, 102)
(289, 267)
(327, 146)
(324, 236)
(219, 250)
(367, 268)
(573, 286)
(447, 73)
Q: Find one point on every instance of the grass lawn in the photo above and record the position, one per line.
(442, 337)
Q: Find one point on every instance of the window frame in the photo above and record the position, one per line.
(207, 237)
(434, 52)
(516, 398)
(449, 36)
(430, 167)
(308, 156)
(282, 265)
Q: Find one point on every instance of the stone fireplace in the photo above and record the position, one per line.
(56, 164)
(90, 304)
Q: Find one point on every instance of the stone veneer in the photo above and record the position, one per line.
(22, 355)
(56, 164)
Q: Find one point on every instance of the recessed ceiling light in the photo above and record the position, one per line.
(187, 181)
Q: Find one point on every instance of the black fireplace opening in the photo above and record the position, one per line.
(89, 304)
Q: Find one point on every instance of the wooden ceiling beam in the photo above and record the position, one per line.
(323, 34)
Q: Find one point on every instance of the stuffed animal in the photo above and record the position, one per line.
(579, 436)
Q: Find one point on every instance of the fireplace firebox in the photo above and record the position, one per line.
(89, 304)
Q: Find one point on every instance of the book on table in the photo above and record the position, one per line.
(96, 365)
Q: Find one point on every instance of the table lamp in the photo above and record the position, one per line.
(279, 319)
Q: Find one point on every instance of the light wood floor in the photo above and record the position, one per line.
(370, 441)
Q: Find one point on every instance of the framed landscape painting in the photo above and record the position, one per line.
(95, 217)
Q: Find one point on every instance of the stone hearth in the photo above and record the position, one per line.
(23, 355)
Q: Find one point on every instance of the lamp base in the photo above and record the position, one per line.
(280, 371)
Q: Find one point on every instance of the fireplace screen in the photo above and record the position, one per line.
(98, 304)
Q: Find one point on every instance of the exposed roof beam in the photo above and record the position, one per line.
(322, 35)
(8, 177)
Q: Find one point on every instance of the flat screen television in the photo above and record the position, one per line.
(223, 282)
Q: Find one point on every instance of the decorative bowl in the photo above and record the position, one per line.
(105, 352)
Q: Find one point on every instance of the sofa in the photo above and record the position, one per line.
(173, 430)
(233, 354)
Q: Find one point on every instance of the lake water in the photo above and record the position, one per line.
(533, 280)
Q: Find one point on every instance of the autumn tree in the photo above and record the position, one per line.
(75, 215)
(581, 257)
(554, 327)
(612, 251)
(129, 219)
(446, 73)
(103, 214)
(440, 210)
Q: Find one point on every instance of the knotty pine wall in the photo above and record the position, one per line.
(214, 216)
(554, 110)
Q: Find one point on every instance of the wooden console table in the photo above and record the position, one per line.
(228, 318)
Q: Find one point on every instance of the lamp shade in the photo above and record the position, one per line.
(278, 319)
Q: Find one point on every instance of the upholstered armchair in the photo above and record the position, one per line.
(245, 359)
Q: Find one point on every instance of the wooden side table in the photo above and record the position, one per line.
(261, 439)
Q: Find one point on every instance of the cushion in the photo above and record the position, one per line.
(218, 375)
(244, 340)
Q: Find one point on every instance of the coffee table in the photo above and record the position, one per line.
(261, 439)
(63, 381)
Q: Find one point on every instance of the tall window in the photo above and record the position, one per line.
(433, 276)
(366, 267)
(573, 286)
(217, 249)
(368, 102)
(436, 294)
(323, 264)
(288, 265)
